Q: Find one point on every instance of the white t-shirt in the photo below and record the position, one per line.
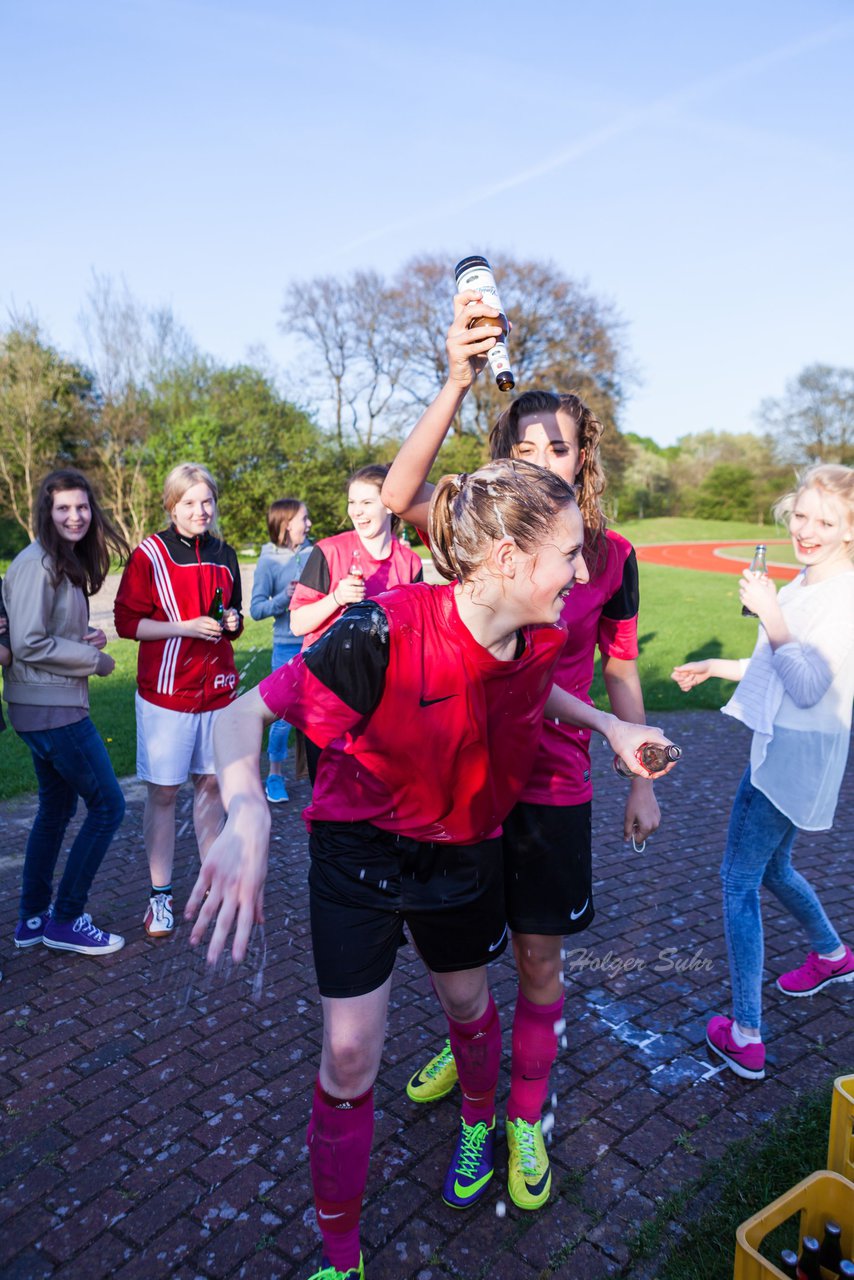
(797, 700)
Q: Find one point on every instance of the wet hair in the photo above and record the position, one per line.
(85, 563)
(590, 481)
(182, 478)
(505, 498)
(374, 473)
(834, 481)
(279, 516)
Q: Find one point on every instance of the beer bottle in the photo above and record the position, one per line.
(831, 1246)
(652, 756)
(476, 273)
(809, 1267)
(789, 1263)
(757, 565)
(846, 1270)
(356, 570)
(217, 609)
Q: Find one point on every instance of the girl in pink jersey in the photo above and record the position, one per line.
(460, 676)
(547, 836)
(353, 566)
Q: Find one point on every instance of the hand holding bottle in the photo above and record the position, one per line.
(757, 593)
(349, 590)
(474, 332)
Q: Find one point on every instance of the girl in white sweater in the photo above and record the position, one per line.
(795, 693)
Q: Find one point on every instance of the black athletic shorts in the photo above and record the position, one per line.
(548, 872)
(365, 884)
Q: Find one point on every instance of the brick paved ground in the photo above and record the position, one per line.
(153, 1118)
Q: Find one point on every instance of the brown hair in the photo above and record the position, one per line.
(374, 473)
(85, 563)
(279, 516)
(182, 478)
(504, 498)
(834, 480)
(590, 480)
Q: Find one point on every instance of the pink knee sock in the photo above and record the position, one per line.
(534, 1051)
(339, 1138)
(477, 1053)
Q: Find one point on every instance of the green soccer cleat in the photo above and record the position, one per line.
(529, 1177)
(436, 1080)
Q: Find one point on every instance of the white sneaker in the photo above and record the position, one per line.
(159, 920)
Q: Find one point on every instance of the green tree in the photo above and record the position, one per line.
(727, 493)
(45, 414)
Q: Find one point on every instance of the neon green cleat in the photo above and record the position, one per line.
(529, 1178)
(436, 1080)
(328, 1272)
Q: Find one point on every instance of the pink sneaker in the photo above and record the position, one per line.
(816, 973)
(748, 1061)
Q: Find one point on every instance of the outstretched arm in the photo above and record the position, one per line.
(691, 674)
(230, 885)
(623, 738)
(406, 490)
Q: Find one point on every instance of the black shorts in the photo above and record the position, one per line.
(548, 871)
(365, 884)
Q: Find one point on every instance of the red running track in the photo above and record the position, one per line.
(706, 556)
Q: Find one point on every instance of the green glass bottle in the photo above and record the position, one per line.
(217, 609)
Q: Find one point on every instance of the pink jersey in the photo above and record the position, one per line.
(602, 612)
(330, 561)
(423, 732)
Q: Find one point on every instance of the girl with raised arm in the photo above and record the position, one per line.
(548, 881)
(427, 704)
(795, 693)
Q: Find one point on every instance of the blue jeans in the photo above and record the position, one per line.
(69, 762)
(277, 746)
(759, 851)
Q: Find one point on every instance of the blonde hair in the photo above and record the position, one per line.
(182, 478)
(507, 498)
(834, 480)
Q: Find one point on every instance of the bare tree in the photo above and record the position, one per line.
(132, 349)
(814, 420)
(44, 406)
(379, 348)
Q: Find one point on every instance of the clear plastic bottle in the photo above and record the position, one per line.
(476, 273)
(757, 565)
(652, 756)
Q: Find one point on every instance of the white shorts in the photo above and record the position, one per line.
(170, 745)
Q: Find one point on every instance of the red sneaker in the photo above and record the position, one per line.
(747, 1061)
(816, 973)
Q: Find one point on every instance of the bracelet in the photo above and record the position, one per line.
(335, 598)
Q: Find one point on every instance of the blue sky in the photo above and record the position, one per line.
(691, 162)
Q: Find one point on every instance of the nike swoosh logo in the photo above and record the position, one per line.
(574, 915)
(429, 702)
(536, 1187)
(495, 945)
(466, 1192)
(327, 1216)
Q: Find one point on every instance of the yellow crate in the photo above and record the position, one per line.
(819, 1197)
(840, 1148)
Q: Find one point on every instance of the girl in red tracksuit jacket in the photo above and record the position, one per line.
(180, 597)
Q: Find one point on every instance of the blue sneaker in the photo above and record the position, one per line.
(275, 788)
(471, 1168)
(31, 931)
(81, 935)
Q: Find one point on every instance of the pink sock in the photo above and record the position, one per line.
(339, 1138)
(534, 1051)
(477, 1053)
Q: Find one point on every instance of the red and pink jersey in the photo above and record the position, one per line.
(600, 613)
(330, 561)
(170, 578)
(423, 732)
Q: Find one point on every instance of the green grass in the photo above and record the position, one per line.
(752, 1173)
(686, 529)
